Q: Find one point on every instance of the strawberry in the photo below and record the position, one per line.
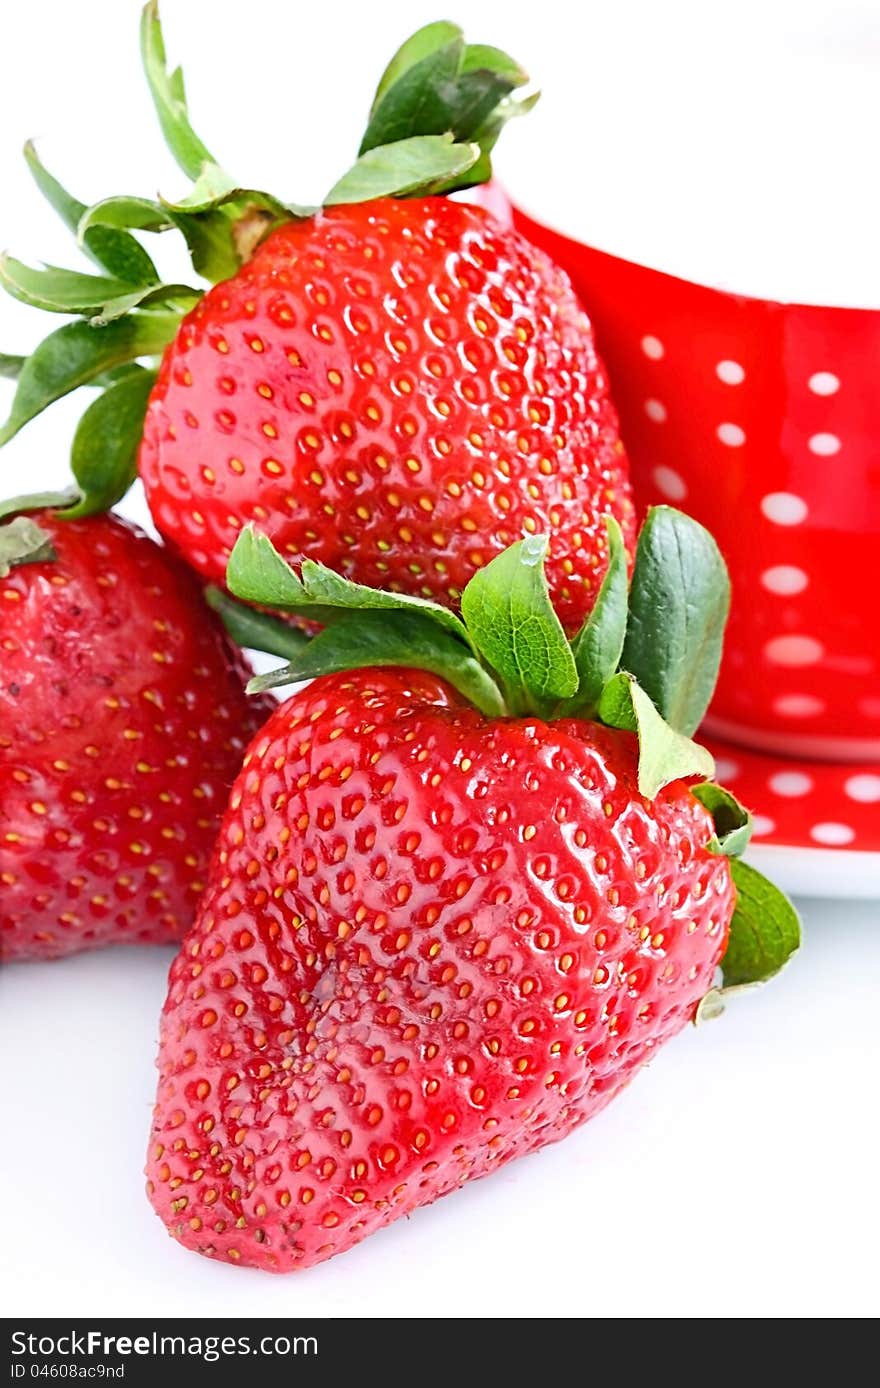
(123, 721)
(398, 389)
(454, 906)
(394, 384)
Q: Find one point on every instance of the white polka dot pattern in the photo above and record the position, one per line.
(864, 788)
(785, 580)
(732, 435)
(832, 835)
(784, 508)
(759, 419)
(768, 436)
(794, 650)
(824, 445)
(730, 372)
(798, 705)
(652, 347)
(670, 483)
(790, 783)
(824, 383)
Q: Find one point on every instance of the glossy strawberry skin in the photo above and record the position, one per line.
(430, 944)
(398, 389)
(123, 721)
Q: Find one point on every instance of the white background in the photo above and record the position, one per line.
(738, 1176)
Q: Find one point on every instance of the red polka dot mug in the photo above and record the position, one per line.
(762, 420)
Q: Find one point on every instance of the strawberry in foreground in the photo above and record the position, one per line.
(123, 720)
(396, 384)
(457, 901)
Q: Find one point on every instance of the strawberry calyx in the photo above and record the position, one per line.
(507, 652)
(10, 366)
(645, 661)
(258, 631)
(36, 501)
(438, 111)
(22, 541)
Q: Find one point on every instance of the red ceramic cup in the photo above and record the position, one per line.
(762, 420)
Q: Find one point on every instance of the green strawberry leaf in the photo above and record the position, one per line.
(483, 57)
(402, 638)
(223, 223)
(75, 354)
(421, 164)
(23, 542)
(478, 93)
(134, 213)
(116, 252)
(69, 291)
(326, 588)
(678, 605)
(430, 39)
(257, 573)
(664, 754)
(209, 235)
(169, 97)
(257, 631)
(436, 85)
(599, 643)
(178, 298)
(214, 188)
(119, 373)
(507, 610)
(36, 501)
(210, 241)
(211, 215)
(733, 823)
(58, 291)
(105, 446)
(765, 930)
(10, 367)
(413, 104)
(487, 137)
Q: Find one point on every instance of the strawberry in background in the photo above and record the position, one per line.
(394, 384)
(123, 721)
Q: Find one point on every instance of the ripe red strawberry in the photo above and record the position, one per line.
(397, 385)
(399, 389)
(435, 937)
(449, 942)
(123, 720)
